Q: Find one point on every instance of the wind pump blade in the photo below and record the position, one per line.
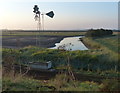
(36, 9)
(50, 14)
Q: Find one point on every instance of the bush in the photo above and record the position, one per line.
(110, 85)
(98, 33)
(87, 60)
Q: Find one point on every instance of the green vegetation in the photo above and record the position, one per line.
(56, 84)
(110, 85)
(23, 84)
(101, 60)
(62, 84)
(59, 83)
(99, 73)
(108, 45)
(110, 42)
(42, 33)
(87, 60)
(92, 62)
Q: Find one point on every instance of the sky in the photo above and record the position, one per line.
(68, 15)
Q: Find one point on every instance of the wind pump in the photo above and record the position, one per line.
(38, 16)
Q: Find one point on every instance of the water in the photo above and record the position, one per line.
(71, 43)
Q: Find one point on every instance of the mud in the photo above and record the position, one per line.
(23, 41)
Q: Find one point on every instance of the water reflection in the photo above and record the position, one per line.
(71, 43)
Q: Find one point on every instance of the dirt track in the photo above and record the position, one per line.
(45, 75)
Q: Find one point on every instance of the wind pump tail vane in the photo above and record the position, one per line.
(50, 14)
(38, 17)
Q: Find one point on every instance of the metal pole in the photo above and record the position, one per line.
(36, 34)
(43, 21)
(39, 23)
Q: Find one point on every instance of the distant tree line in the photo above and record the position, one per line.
(98, 32)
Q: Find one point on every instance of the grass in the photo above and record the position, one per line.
(15, 33)
(18, 83)
(83, 86)
(28, 84)
(23, 85)
(107, 74)
(110, 42)
(101, 60)
(59, 83)
(106, 44)
(90, 59)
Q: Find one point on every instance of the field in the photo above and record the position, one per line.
(96, 69)
(47, 39)
(45, 33)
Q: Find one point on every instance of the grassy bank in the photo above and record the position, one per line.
(108, 45)
(109, 42)
(92, 60)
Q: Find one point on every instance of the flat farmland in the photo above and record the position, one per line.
(50, 33)
(46, 39)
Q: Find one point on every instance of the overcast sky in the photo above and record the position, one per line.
(68, 15)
